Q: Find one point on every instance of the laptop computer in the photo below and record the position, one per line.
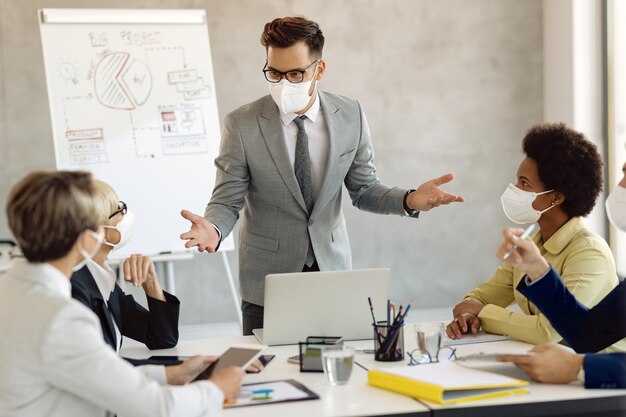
(329, 303)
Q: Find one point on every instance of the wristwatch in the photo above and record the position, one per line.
(409, 211)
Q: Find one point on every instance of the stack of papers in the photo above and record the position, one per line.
(480, 337)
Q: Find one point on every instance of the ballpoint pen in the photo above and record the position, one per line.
(524, 235)
(397, 318)
(369, 300)
(408, 307)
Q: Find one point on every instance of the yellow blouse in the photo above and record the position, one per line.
(583, 260)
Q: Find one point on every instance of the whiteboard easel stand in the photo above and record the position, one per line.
(233, 288)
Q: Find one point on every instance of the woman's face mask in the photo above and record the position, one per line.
(518, 205)
(616, 207)
(125, 228)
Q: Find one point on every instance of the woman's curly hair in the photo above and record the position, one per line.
(568, 163)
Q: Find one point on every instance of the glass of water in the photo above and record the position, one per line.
(428, 337)
(337, 364)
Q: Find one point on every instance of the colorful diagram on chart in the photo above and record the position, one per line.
(182, 129)
(121, 81)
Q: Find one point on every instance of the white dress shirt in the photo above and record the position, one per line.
(319, 141)
(105, 281)
(53, 361)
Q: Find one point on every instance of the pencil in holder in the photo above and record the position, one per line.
(388, 342)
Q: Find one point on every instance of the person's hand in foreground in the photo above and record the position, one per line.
(186, 372)
(548, 363)
(228, 381)
(526, 257)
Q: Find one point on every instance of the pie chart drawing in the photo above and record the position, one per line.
(122, 82)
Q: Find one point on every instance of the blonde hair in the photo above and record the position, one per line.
(47, 212)
(105, 200)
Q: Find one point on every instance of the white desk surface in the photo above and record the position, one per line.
(358, 399)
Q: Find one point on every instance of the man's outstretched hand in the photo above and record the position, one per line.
(202, 233)
(428, 195)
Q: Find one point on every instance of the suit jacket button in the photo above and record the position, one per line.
(311, 222)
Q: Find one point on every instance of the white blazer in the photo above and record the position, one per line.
(53, 361)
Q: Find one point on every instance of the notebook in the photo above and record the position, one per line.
(446, 382)
(467, 339)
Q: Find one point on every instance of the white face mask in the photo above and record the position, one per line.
(289, 97)
(88, 256)
(125, 227)
(518, 205)
(616, 207)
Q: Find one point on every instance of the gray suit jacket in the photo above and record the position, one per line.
(254, 173)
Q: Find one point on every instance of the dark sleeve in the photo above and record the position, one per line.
(605, 370)
(156, 327)
(149, 361)
(584, 329)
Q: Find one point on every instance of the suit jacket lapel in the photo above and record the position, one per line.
(109, 321)
(334, 123)
(272, 131)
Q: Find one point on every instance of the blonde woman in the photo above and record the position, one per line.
(95, 285)
(53, 361)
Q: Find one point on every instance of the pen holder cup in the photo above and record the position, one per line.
(388, 342)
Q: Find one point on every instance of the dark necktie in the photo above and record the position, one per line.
(302, 164)
(302, 169)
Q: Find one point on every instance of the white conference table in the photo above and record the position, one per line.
(353, 399)
(359, 399)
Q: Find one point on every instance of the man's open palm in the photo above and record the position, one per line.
(428, 195)
(201, 234)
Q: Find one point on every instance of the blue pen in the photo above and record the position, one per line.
(408, 307)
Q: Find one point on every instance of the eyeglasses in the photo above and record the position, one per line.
(293, 76)
(122, 208)
(419, 356)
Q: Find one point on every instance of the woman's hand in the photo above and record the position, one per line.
(462, 324)
(140, 270)
(186, 372)
(228, 381)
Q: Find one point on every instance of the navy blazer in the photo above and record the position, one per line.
(157, 327)
(585, 330)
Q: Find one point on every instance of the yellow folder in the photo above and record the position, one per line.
(446, 382)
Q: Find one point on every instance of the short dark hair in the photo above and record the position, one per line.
(286, 31)
(568, 163)
(47, 212)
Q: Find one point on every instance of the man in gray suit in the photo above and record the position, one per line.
(283, 159)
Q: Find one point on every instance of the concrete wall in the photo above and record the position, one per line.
(447, 85)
